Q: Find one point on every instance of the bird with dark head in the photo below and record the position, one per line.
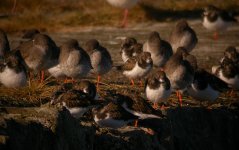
(217, 20)
(12, 71)
(158, 88)
(74, 100)
(206, 86)
(130, 48)
(138, 67)
(231, 54)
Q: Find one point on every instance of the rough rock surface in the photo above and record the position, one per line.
(184, 128)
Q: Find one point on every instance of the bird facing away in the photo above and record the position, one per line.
(130, 48)
(100, 58)
(160, 49)
(183, 36)
(74, 61)
(138, 66)
(217, 20)
(4, 44)
(180, 70)
(126, 5)
(12, 71)
(158, 88)
(38, 52)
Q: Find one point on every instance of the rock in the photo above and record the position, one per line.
(183, 128)
(52, 129)
(127, 138)
(42, 128)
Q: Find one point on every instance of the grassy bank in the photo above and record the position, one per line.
(53, 15)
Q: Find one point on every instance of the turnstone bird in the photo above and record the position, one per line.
(159, 49)
(88, 88)
(12, 71)
(183, 36)
(74, 61)
(138, 66)
(125, 4)
(158, 88)
(206, 86)
(137, 106)
(38, 52)
(228, 72)
(112, 115)
(100, 58)
(180, 70)
(130, 48)
(4, 44)
(217, 20)
(232, 54)
(76, 101)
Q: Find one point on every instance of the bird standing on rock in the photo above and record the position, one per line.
(126, 5)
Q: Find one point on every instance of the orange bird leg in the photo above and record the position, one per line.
(179, 95)
(42, 75)
(98, 81)
(132, 82)
(69, 80)
(125, 19)
(136, 123)
(155, 106)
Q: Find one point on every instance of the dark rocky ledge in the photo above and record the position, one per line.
(185, 128)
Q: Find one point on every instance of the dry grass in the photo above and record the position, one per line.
(57, 14)
(33, 95)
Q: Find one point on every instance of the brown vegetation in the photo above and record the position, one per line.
(57, 14)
